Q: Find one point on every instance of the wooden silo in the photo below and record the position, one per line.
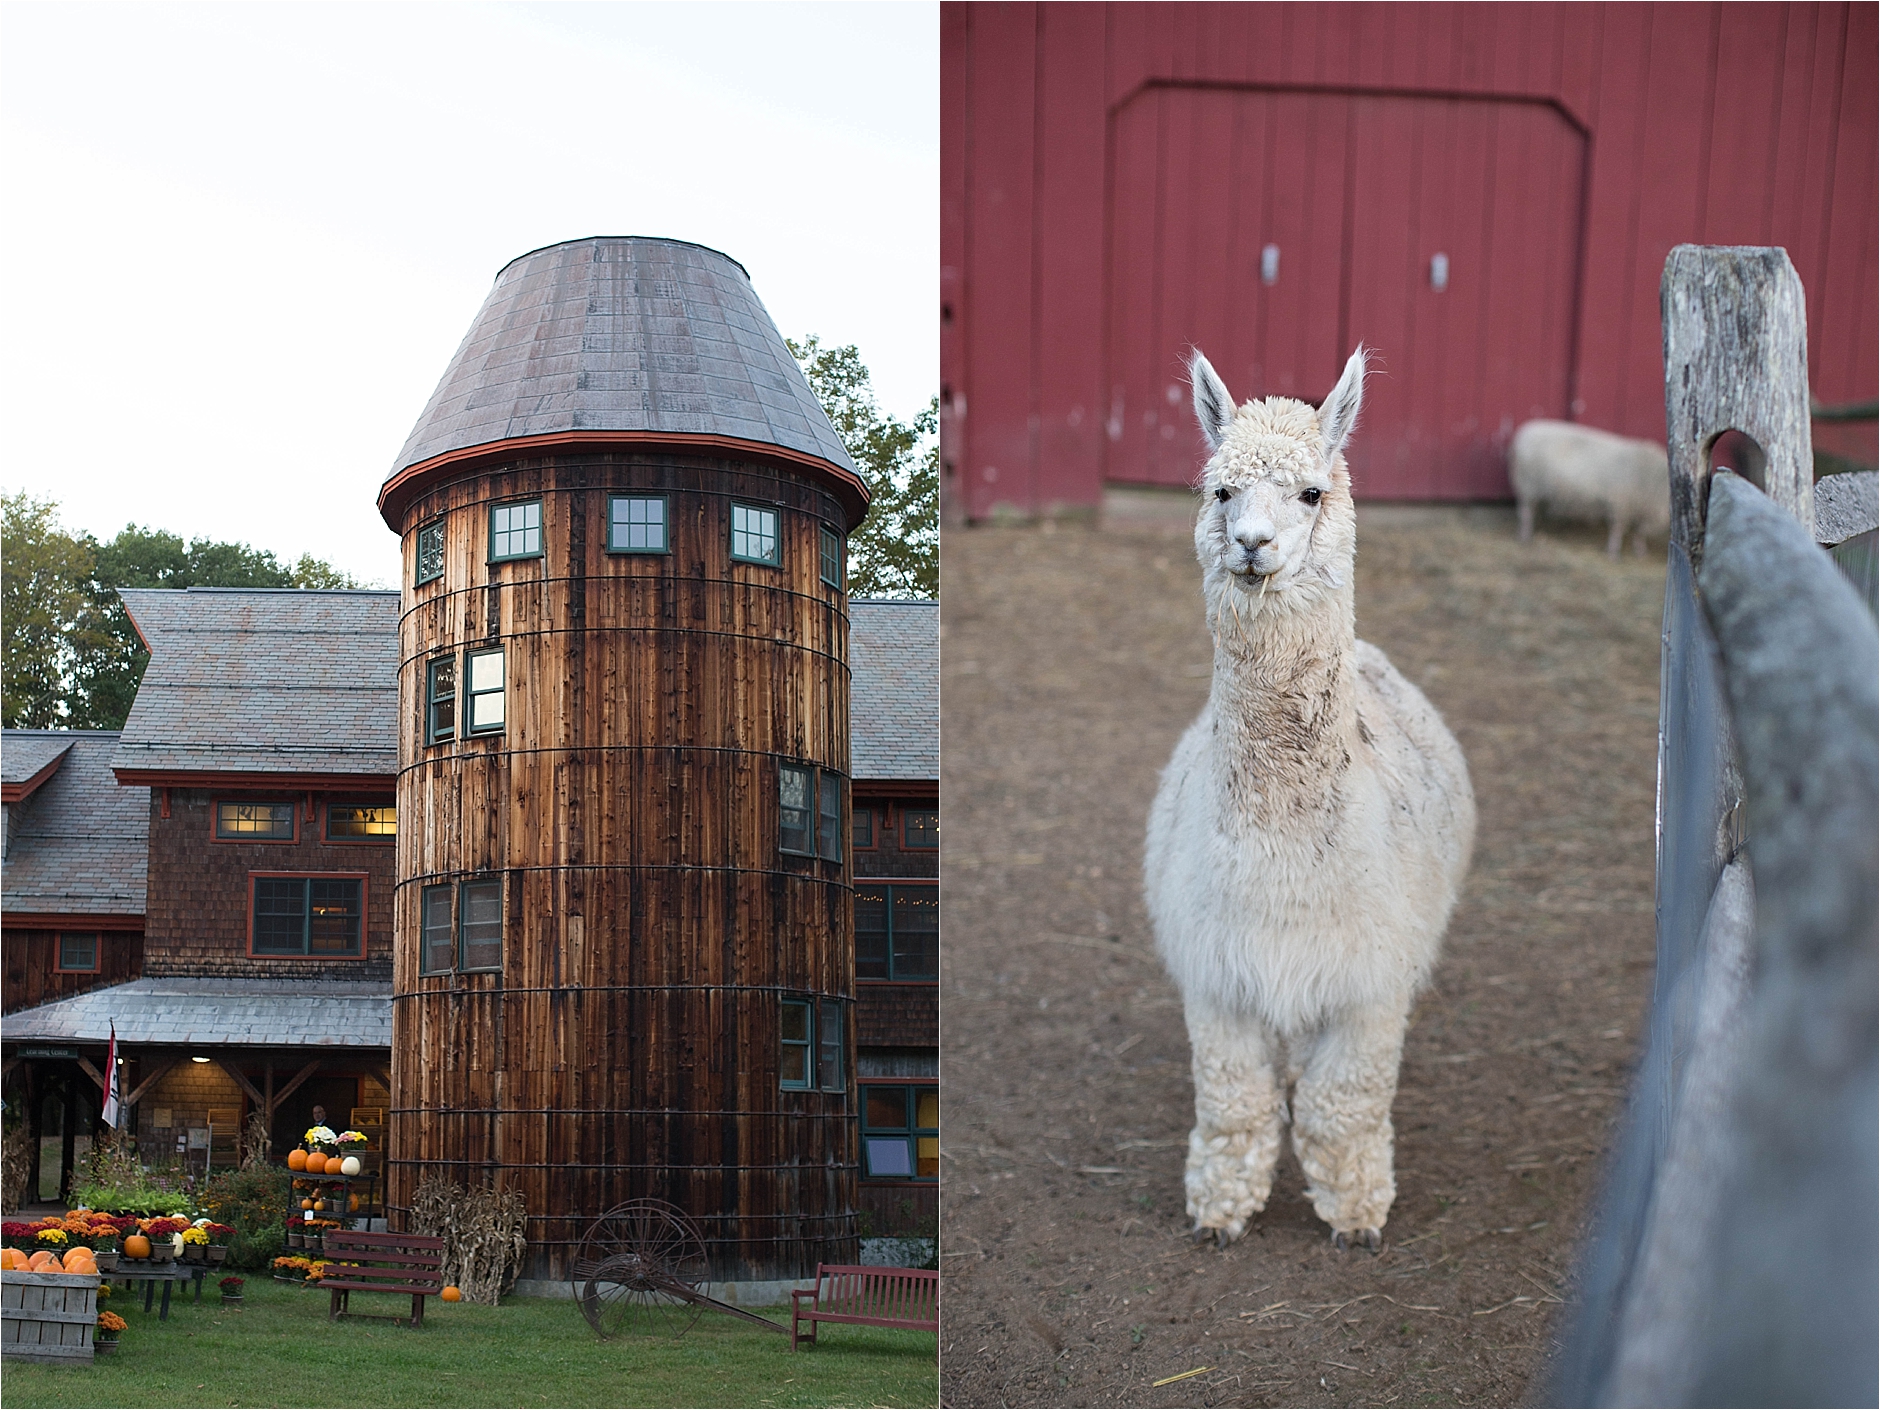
(625, 950)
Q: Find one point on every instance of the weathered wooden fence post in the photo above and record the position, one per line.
(1766, 738)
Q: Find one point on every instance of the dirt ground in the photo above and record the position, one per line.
(1072, 658)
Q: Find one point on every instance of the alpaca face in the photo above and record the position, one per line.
(1276, 513)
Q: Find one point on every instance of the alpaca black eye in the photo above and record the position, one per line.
(1311, 496)
(1223, 495)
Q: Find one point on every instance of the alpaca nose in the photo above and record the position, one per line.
(1254, 536)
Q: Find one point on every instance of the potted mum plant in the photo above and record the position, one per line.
(104, 1340)
(231, 1289)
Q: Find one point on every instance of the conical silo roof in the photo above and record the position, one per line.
(622, 340)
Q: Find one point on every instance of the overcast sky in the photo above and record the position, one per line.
(243, 241)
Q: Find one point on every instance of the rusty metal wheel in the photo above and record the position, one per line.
(637, 1269)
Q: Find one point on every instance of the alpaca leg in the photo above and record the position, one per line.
(1239, 1110)
(1341, 1121)
(1525, 510)
(1614, 537)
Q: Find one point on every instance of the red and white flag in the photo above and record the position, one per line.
(110, 1113)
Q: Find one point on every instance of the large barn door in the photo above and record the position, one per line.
(1276, 230)
(1465, 242)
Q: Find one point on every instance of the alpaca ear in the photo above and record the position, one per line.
(1214, 408)
(1339, 413)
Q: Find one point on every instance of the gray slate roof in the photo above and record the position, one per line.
(26, 751)
(79, 843)
(256, 680)
(894, 693)
(622, 333)
(259, 1013)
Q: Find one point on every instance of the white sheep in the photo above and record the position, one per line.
(1580, 472)
(1309, 836)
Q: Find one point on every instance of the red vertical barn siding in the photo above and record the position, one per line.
(1110, 175)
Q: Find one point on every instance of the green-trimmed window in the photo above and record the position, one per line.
(483, 691)
(480, 925)
(831, 557)
(438, 952)
(430, 553)
(637, 524)
(754, 535)
(349, 822)
(897, 931)
(78, 954)
(255, 822)
(440, 700)
(829, 817)
(796, 792)
(815, 1046)
(920, 827)
(516, 530)
(900, 1132)
(308, 915)
(862, 821)
(796, 1066)
(832, 1045)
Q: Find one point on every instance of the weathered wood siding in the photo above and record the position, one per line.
(31, 960)
(630, 1046)
(196, 919)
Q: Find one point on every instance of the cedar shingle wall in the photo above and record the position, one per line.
(197, 919)
(32, 955)
(887, 860)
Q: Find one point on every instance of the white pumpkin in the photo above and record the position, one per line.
(349, 1166)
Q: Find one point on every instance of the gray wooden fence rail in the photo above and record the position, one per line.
(1732, 1257)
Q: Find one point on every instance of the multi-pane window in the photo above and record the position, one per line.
(308, 915)
(440, 700)
(831, 557)
(814, 1046)
(483, 691)
(754, 537)
(637, 524)
(480, 925)
(829, 819)
(438, 949)
(900, 1132)
(430, 553)
(920, 827)
(897, 931)
(255, 822)
(516, 530)
(78, 954)
(862, 820)
(346, 822)
(809, 811)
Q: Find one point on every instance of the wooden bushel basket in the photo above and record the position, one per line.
(48, 1316)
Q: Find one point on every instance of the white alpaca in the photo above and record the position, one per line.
(1582, 472)
(1309, 836)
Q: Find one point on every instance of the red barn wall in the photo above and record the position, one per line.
(1110, 175)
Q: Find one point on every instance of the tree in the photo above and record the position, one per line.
(45, 602)
(72, 658)
(896, 551)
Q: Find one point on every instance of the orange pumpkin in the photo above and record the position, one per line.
(44, 1262)
(352, 1203)
(319, 1206)
(316, 1163)
(451, 1294)
(79, 1260)
(296, 1159)
(11, 1258)
(136, 1246)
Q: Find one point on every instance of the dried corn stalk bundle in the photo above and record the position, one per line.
(482, 1231)
(16, 1164)
(257, 1143)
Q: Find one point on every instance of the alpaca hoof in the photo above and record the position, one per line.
(1220, 1238)
(1345, 1239)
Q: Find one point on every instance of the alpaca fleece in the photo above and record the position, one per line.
(1309, 836)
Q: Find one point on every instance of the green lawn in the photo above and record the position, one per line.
(279, 1349)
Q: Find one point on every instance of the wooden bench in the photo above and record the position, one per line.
(871, 1297)
(394, 1263)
